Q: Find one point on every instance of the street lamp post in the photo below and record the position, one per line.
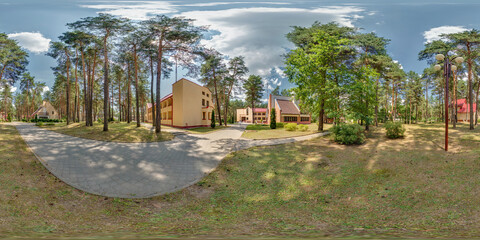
(447, 70)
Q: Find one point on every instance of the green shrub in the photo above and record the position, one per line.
(280, 125)
(302, 128)
(100, 120)
(212, 124)
(273, 119)
(50, 124)
(348, 134)
(291, 126)
(394, 129)
(39, 124)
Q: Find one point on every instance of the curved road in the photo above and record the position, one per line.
(136, 170)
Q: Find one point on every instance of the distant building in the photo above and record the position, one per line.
(287, 110)
(463, 110)
(46, 111)
(258, 115)
(189, 105)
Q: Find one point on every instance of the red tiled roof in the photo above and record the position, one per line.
(287, 107)
(464, 107)
(260, 110)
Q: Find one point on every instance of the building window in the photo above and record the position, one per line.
(203, 93)
(209, 116)
(304, 119)
(290, 119)
(208, 103)
(204, 114)
(53, 112)
(203, 102)
(207, 95)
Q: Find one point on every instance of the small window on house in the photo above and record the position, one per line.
(53, 112)
(304, 119)
(203, 102)
(208, 103)
(203, 93)
(209, 116)
(204, 114)
(207, 95)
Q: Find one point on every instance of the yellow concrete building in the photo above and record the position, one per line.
(189, 105)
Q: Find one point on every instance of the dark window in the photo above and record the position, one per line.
(290, 119)
(208, 103)
(204, 116)
(53, 112)
(304, 119)
(203, 93)
(207, 94)
(203, 102)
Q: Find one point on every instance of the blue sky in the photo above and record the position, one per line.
(254, 29)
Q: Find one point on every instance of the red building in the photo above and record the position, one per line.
(463, 111)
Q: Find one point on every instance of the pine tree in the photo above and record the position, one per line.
(213, 119)
(273, 121)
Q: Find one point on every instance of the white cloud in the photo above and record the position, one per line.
(45, 89)
(258, 34)
(434, 33)
(32, 41)
(141, 10)
(395, 61)
(230, 3)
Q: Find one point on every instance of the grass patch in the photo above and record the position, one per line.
(260, 131)
(205, 129)
(117, 132)
(403, 187)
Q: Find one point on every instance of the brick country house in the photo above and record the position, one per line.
(287, 110)
(45, 111)
(188, 106)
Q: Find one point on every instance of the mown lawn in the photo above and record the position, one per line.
(117, 132)
(202, 130)
(404, 187)
(258, 131)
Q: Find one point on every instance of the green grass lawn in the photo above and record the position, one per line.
(202, 130)
(199, 130)
(255, 131)
(404, 187)
(117, 132)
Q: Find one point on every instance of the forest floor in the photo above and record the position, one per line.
(382, 188)
(117, 132)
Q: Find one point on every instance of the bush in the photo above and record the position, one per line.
(291, 126)
(394, 129)
(302, 128)
(348, 134)
(50, 124)
(39, 124)
(100, 120)
(273, 119)
(212, 124)
(280, 125)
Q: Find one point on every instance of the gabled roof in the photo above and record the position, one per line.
(464, 107)
(36, 112)
(287, 107)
